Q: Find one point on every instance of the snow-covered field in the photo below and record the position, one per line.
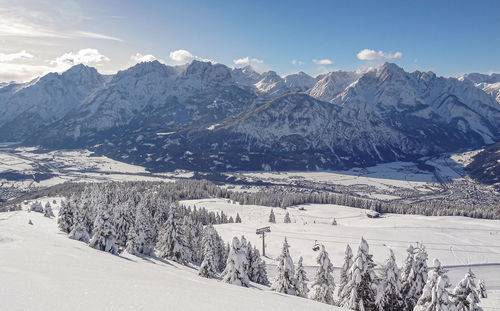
(61, 166)
(459, 242)
(41, 269)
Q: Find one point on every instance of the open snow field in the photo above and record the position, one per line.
(459, 242)
(42, 269)
(25, 169)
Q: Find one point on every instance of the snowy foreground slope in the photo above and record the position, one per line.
(41, 269)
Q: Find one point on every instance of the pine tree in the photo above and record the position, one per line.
(408, 277)
(259, 269)
(284, 281)
(345, 269)
(124, 220)
(390, 297)
(47, 210)
(272, 218)
(235, 267)
(360, 291)
(238, 218)
(481, 289)
(334, 222)
(301, 288)
(171, 241)
(465, 294)
(421, 270)
(287, 219)
(104, 233)
(208, 267)
(323, 284)
(231, 220)
(435, 296)
(80, 230)
(65, 220)
(140, 238)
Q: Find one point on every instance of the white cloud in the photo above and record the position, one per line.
(22, 55)
(242, 61)
(248, 61)
(84, 56)
(324, 61)
(296, 62)
(181, 56)
(139, 58)
(368, 54)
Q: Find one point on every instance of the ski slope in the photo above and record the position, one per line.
(459, 242)
(41, 269)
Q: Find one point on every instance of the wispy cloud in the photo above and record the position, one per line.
(297, 62)
(17, 66)
(324, 61)
(22, 55)
(367, 54)
(28, 23)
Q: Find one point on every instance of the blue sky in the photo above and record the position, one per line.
(448, 37)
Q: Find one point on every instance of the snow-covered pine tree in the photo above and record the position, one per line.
(360, 291)
(249, 255)
(272, 218)
(189, 233)
(124, 220)
(435, 296)
(481, 289)
(287, 219)
(208, 267)
(259, 268)
(171, 241)
(418, 277)
(345, 269)
(408, 279)
(465, 294)
(80, 230)
(225, 250)
(390, 296)
(104, 233)
(231, 220)
(235, 267)
(301, 280)
(323, 284)
(140, 238)
(284, 281)
(65, 220)
(334, 222)
(238, 218)
(47, 210)
(211, 237)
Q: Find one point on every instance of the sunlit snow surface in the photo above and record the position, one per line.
(42, 269)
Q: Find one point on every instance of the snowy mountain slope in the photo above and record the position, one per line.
(300, 82)
(481, 78)
(271, 84)
(42, 269)
(344, 119)
(331, 84)
(26, 108)
(425, 106)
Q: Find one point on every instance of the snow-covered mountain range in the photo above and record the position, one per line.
(206, 116)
